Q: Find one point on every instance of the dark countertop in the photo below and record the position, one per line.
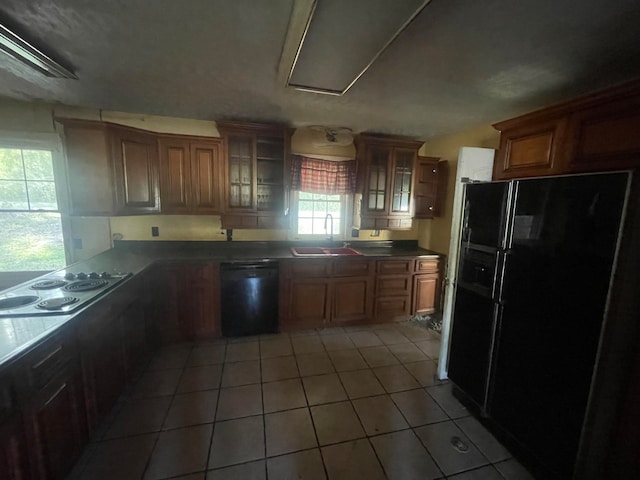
(20, 334)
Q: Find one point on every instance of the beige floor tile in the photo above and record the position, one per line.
(122, 458)
(139, 416)
(206, 377)
(179, 452)
(484, 473)
(242, 352)
(404, 457)
(391, 336)
(450, 447)
(378, 356)
(395, 378)
(305, 465)
(170, 357)
(244, 339)
(408, 352)
(450, 404)
(237, 441)
(414, 332)
(193, 476)
(361, 383)
(418, 407)
(512, 470)
(209, 354)
(379, 415)
(323, 389)
(345, 360)
(246, 471)
(365, 339)
(430, 347)
(157, 383)
(353, 460)
(241, 373)
(236, 402)
(336, 422)
(279, 368)
(314, 364)
(275, 347)
(192, 409)
(307, 344)
(283, 395)
(423, 372)
(340, 341)
(289, 431)
(303, 333)
(486, 443)
(330, 331)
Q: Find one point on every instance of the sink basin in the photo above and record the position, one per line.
(323, 251)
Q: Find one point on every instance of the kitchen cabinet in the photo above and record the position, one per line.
(430, 187)
(593, 133)
(89, 168)
(13, 449)
(135, 159)
(393, 290)
(386, 177)
(53, 407)
(255, 158)
(426, 287)
(190, 175)
(320, 293)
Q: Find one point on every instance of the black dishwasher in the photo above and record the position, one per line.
(249, 298)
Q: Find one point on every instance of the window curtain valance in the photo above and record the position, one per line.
(323, 176)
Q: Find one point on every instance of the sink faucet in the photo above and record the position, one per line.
(325, 225)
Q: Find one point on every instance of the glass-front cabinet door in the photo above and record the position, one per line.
(240, 161)
(377, 182)
(402, 181)
(269, 165)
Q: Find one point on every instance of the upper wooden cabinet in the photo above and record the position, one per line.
(430, 187)
(254, 186)
(190, 175)
(89, 168)
(386, 177)
(597, 132)
(135, 161)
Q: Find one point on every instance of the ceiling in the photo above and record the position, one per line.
(458, 64)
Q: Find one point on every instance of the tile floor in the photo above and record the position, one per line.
(353, 403)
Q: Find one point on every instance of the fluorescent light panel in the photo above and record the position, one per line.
(21, 50)
(342, 40)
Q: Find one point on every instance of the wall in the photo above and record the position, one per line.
(434, 234)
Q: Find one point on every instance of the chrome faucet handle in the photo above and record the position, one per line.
(346, 244)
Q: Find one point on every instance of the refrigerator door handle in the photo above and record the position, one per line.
(496, 270)
(503, 268)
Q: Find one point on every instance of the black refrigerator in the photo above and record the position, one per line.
(536, 260)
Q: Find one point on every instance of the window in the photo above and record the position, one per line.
(31, 235)
(312, 209)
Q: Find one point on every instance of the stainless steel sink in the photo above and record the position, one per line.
(323, 251)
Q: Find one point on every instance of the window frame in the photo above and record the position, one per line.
(346, 216)
(53, 143)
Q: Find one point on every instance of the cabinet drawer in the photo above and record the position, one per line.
(393, 285)
(395, 267)
(352, 267)
(427, 265)
(310, 268)
(390, 307)
(48, 361)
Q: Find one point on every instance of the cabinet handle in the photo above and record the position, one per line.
(430, 207)
(47, 358)
(62, 387)
(433, 171)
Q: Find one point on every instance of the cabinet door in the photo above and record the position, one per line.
(402, 182)
(89, 168)
(530, 150)
(240, 173)
(352, 299)
(136, 172)
(199, 302)
(426, 188)
(175, 176)
(134, 337)
(205, 177)
(376, 198)
(425, 293)
(309, 302)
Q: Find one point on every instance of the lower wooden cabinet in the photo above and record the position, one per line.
(13, 447)
(308, 303)
(352, 299)
(393, 290)
(425, 293)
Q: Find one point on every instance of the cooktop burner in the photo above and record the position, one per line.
(86, 285)
(56, 303)
(48, 284)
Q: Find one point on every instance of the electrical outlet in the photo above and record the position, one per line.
(155, 231)
(77, 243)
(376, 233)
(355, 232)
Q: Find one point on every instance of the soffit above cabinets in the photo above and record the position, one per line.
(341, 40)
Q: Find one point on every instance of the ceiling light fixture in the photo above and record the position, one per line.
(18, 48)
